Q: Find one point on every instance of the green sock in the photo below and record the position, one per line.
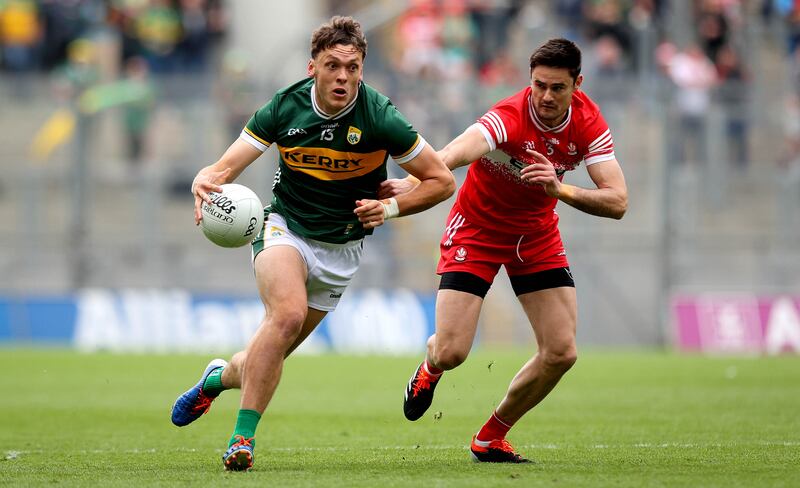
(246, 424)
(213, 384)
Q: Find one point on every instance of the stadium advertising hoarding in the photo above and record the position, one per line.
(736, 324)
(367, 321)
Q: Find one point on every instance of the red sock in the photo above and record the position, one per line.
(494, 428)
(432, 369)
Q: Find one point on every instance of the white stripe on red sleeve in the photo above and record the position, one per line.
(487, 135)
(493, 125)
(604, 138)
(502, 135)
(598, 158)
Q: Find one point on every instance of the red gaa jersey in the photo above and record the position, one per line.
(494, 196)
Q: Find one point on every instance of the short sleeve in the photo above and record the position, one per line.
(600, 144)
(260, 129)
(500, 124)
(402, 141)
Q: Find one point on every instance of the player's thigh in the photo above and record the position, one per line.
(281, 274)
(553, 314)
(457, 315)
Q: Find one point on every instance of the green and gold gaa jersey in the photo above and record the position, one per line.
(329, 162)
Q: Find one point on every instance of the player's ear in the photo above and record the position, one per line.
(310, 68)
(578, 81)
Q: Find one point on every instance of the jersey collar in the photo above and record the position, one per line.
(540, 125)
(341, 113)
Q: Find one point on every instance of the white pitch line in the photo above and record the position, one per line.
(15, 454)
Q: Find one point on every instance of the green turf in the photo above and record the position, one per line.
(617, 419)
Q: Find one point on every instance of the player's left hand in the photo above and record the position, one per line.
(370, 213)
(393, 187)
(542, 172)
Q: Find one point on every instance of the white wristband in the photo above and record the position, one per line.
(390, 208)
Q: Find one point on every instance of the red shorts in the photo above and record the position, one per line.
(468, 248)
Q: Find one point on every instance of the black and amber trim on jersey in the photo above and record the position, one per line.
(254, 140)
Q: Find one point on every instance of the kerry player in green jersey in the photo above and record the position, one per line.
(334, 135)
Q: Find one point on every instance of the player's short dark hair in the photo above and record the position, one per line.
(558, 53)
(338, 30)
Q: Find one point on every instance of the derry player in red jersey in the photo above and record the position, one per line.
(505, 215)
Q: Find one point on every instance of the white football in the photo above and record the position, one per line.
(234, 217)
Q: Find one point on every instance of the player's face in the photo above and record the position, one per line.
(552, 90)
(336, 72)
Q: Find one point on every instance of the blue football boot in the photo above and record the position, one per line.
(194, 403)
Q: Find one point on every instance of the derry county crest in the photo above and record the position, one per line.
(353, 135)
(461, 254)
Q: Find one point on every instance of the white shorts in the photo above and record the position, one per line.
(330, 266)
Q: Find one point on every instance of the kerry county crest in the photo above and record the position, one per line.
(353, 135)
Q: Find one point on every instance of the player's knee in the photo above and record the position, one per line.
(288, 323)
(237, 360)
(561, 358)
(449, 358)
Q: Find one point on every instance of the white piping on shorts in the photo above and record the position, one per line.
(452, 227)
(518, 244)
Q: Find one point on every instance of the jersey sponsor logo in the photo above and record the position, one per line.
(329, 164)
(461, 255)
(353, 135)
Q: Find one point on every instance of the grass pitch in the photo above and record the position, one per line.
(617, 419)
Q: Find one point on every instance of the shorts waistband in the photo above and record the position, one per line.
(327, 245)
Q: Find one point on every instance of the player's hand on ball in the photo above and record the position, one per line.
(541, 172)
(203, 184)
(395, 186)
(370, 213)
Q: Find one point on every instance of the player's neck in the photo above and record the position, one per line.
(554, 122)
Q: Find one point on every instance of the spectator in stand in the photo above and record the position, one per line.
(500, 77)
(609, 71)
(63, 23)
(137, 112)
(712, 27)
(192, 50)
(790, 10)
(20, 32)
(158, 31)
(570, 15)
(732, 93)
(493, 19)
(606, 18)
(419, 35)
(237, 91)
(694, 76)
(459, 37)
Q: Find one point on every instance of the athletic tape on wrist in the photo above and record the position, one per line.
(390, 208)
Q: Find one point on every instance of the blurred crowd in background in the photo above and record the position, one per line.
(172, 36)
(456, 42)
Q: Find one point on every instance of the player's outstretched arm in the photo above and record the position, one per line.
(609, 199)
(465, 148)
(436, 184)
(462, 150)
(235, 159)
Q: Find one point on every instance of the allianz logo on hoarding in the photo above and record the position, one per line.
(374, 321)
